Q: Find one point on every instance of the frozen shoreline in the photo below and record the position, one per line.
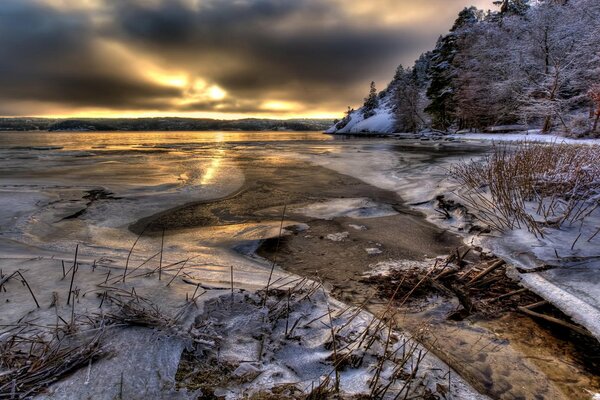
(576, 292)
(38, 238)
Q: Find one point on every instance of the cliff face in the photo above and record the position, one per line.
(382, 120)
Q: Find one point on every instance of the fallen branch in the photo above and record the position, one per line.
(556, 321)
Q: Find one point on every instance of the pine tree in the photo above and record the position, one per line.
(409, 101)
(513, 7)
(442, 89)
(371, 102)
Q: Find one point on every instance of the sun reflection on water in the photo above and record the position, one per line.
(215, 163)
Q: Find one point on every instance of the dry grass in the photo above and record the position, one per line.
(531, 185)
(393, 364)
(31, 360)
(33, 355)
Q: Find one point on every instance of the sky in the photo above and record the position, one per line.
(208, 58)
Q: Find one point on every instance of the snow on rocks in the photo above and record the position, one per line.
(372, 251)
(358, 227)
(296, 336)
(337, 237)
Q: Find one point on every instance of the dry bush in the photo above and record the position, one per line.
(531, 185)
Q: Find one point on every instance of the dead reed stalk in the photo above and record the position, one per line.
(531, 185)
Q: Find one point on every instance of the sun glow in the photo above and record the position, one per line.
(278, 105)
(216, 93)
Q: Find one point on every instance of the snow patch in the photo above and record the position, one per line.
(337, 237)
(373, 251)
(382, 120)
(354, 208)
(385, 268)
(522, 137)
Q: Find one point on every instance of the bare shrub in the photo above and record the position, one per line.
(531, 185)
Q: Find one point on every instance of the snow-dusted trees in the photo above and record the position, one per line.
(442, 71)
(441, 89)
(594, 94)
(410, 100)
(515, 7)
(557, 57)
(531, 63)
(371, 102)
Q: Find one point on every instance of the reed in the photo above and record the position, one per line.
(531, 185)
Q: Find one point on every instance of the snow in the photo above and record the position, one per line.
(305, 356)
(337, 237)
(573, 288)
(382, 121)
(372, 251)
(143, 361)
(358, 227)
(384, 268)
(359, 208)
(522, 137)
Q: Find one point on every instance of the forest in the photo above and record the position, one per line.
(528, 65)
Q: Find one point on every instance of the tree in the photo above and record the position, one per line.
(594, 94)
(514, 7)
(371, 102)
(487, 76)
(442, 89)
(409, 103)
(556, 57)
(344, 121)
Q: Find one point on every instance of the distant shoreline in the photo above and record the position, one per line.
(160, 124)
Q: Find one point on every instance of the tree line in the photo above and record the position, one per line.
(532, 63)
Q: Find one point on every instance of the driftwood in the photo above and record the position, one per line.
(556, 321)
(541, 268)
(486, 271)
(510, 294)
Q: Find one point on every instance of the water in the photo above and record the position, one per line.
(177, 179)
(46, 179)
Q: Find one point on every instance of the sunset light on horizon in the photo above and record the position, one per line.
(207, 59)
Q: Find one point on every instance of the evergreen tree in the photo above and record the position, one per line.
(513, 7)
(409, 101)
(442, 90)
(371, 102)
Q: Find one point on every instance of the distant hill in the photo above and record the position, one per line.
(161, 124)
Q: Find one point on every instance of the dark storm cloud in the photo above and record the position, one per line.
(264, 46)
(52, 56)
(309, 52)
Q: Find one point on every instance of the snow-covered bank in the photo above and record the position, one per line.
(534, 136)
(382, 120)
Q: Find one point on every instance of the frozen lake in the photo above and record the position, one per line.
(217, 195)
